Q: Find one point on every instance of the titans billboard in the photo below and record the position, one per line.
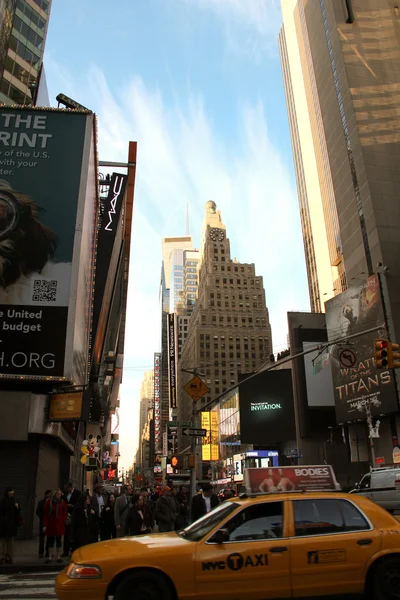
(48, 205)
(266, 408)
(357, 382)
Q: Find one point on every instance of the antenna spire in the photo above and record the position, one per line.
(187, 219)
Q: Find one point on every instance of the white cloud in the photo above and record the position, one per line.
(250, 26)
(181, 159)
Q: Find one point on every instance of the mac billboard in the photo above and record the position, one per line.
(266, 408)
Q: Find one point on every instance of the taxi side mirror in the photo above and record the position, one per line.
(220, 537)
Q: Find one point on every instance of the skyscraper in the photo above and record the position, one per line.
(22, 40)
(341, 76)
(229, 331)
(172, 296)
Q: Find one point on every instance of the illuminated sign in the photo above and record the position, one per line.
(157, 411)
(65, 407)
(117, 189)
(210, 447)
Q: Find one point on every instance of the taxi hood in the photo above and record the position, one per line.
(126, 547)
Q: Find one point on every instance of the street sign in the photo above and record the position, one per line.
(347, 358)
(179, 424)
(196, 388)
(196, 432)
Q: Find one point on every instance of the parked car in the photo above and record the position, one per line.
(379, 485)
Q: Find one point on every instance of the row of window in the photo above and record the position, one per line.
(28, 33)
(228, 268)
(232, 304)
(33, 58)
(43, 4)
(31, 14)
(234, 321)
(13, 93)
(245, 282)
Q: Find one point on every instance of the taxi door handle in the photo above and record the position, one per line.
(278, 549)
(365, 542)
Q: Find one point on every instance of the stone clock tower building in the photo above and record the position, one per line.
(229, 331)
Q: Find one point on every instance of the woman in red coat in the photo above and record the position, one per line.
(54, 517)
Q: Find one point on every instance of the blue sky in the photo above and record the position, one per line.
(198, 84)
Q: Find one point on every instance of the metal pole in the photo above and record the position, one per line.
(290, 358)
(193, 489)
(105, 163)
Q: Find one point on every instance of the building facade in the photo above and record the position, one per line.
(341, 77)
(146, 405)
(229, 331)
(22, 40)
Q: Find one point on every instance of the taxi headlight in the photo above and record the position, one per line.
(75, 571)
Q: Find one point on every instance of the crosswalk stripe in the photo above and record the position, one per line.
(27, 586)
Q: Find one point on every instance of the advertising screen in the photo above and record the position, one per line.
(39, 197)
(357, 382)
(318, 376)
(266, 408)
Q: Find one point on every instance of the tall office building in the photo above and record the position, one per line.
(22, 39)
(229, 331)
(172, 299)
(190, 277)
(341, 75)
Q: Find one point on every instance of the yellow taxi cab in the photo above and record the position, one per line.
(279, 545)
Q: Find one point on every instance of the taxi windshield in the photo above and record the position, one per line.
(204, 525)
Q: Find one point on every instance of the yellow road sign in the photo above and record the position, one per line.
(196, 388)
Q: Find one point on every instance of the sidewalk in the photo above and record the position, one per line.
(26, 559)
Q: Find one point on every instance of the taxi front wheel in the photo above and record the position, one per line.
(386, 579)
(143, 586)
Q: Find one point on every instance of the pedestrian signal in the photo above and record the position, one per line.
(174, 462)
(381, 354)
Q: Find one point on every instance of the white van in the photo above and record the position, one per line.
(379, 485)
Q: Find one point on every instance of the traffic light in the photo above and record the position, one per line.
(393, 356)
(175, 463)
(381, 354)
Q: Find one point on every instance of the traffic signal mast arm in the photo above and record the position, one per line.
(291, 357)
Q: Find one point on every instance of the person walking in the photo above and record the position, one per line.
(138, 519)
(71, 497)
(54, 518)
(165, 513)
(83, 526)
(149, 504)
(42, 535)
(121, 508)
(98, 502)
(203, 503)
(182, 520)
(108, 530)
(10, 516)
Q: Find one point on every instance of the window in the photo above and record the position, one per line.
(257, 522)
(366, 482)
(319, 517)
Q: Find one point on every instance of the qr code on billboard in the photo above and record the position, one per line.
(44, 291)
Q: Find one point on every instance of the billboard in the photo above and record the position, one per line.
(157, 407)
(210, 446)
(66, 407)
(357, 383)
(46, 262)
(287, 479)
(171, 360)
(107, 258)
(266, 408)
(318, 376)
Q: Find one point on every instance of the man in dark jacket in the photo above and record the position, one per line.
(71, 497)
(203, 503)
(165, 512)
(39, 513)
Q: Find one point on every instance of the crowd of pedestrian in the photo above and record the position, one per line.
(70, 519)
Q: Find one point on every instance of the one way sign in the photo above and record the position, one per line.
(196, 432)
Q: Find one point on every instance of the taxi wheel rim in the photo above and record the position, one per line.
(391, 584)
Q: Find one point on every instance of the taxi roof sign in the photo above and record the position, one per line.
(307, 478)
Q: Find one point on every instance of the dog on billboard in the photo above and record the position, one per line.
(28, 274)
